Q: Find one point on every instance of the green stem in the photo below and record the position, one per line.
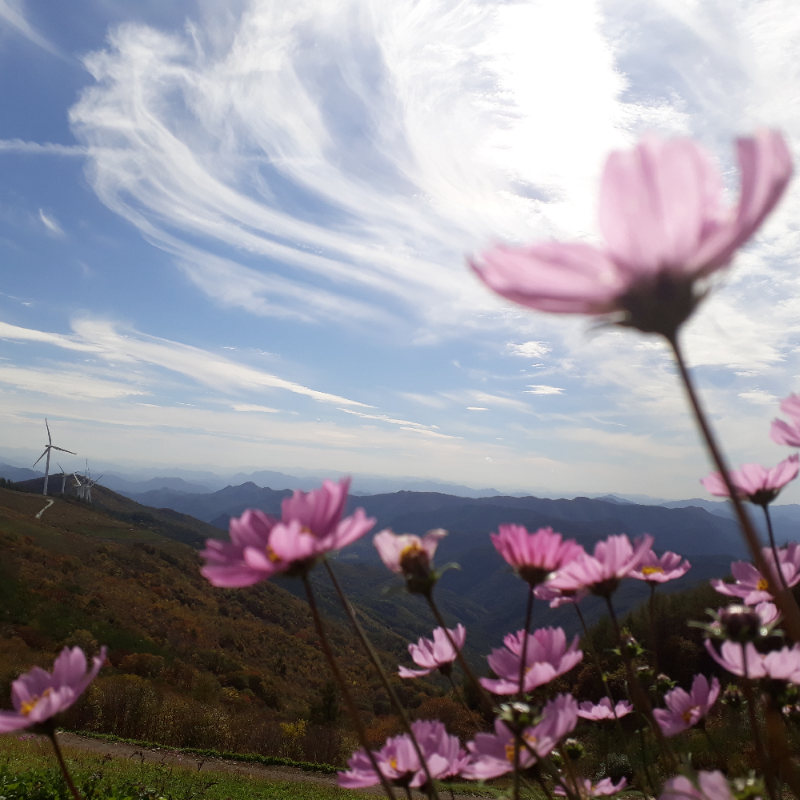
(61, 763)
(747, 689)
(771, 535)
(524, 653)
(485, 699)
(348, 698)
(395, 700)
(638, 696)
(653, 634)
(783, 598)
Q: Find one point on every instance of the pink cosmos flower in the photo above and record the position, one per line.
(586, 789)
(757, 484)
(601, 573)
(653, 569)
(685, 709)
(665, 225)
(788, 432)
(710, 786)
(603, 710)
(781, 665)
(437, 654)
(534, 555)
(410, 556)
(492, 754)
(546, 657)
(751, 586)
(558, 597)
(39, 695)
(398, 761)
(311, 525)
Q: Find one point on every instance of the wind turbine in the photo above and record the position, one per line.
(50, 446)
(89, 482)
(63, 478)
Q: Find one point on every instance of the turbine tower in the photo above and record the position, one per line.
(50, 446)
(63, 478)
(89, 482)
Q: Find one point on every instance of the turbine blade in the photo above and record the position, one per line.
(63, 450)
(40, 457)
(48, 431)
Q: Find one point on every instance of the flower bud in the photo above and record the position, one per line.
(664, 683)
(740, 623)
(733, 697)
(573, 749)
(630, 647)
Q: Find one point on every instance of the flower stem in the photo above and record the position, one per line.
(653, 636)
(747, 690)
(373, 657)
(783, 597)
(604, 681)
(348, 697)
(485, 699)
(638, 696)
(771, 535)
(778, 744)
(524, 654)
(61, 763)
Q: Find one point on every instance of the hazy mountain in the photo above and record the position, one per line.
(18, 473)
(129, 488)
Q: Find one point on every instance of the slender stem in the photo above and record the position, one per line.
(653, 636)
(779, 745)
(348, 698)
(747, 689)
(544, 786)
(485, 699)
(408, 794)
(524, 653)
(771, 535)
(646, 762)
(61, 763)
(783, 598)
(395, 700)
(638, 697)
(607, 690)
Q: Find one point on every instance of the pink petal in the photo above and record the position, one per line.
(556, 277)
(657, 203)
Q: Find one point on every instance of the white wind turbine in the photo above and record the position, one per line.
(63, 478)
(50, 446)
(84, 484)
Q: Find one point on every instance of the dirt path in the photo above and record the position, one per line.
(201, 764)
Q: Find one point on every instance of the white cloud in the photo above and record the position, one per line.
(383, 418)
(476, 408)
(202, 366)
(51, 223)
(759, 397)
(543, 390)
(41, 148)
(530, 349)
(259, 409)
(63, 383)
(13, 15)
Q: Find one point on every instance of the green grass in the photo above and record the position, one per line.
(28, 771)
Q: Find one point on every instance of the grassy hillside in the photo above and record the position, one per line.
(189, 664)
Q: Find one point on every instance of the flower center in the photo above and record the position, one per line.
(393, 763)
(652, 570)
(33, 702)
(687, 715)
(762, 585)
(272, 555)
(530, 739)
(414, 561)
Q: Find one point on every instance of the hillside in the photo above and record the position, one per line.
(111, 574)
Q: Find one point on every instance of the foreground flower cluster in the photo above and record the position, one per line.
(666, 229)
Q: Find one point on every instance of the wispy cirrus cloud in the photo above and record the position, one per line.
(103, 339)
(12, 15)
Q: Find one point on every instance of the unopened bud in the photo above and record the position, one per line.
(573, 749)
(664, 683)
(733, 697)
(740, 623)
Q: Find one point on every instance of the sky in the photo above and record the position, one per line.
(235, 235)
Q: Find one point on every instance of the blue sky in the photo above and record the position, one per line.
(233, 235)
